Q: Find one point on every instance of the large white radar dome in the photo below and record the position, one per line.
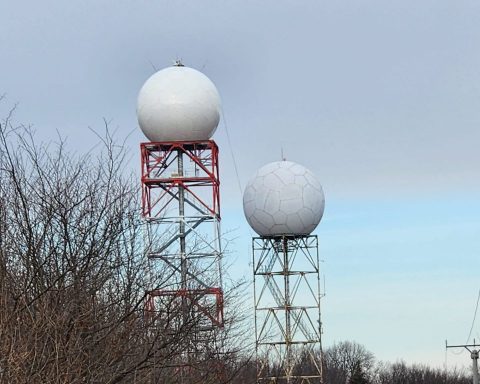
(283, 198)
(178, 104)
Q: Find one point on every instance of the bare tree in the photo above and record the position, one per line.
(73, 274)
(400, 372)
(346, 359)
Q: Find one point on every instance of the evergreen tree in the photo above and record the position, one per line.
(358, 376)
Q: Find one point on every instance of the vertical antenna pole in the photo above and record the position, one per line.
(473, 354)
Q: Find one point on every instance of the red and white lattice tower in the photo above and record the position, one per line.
(180, 197)
(178, 111)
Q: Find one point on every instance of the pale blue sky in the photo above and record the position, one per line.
(379, 99)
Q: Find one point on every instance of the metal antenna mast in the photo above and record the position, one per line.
(474, 353)
(287, 296)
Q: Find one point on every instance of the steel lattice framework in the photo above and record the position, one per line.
(180, 196)
(287, 309)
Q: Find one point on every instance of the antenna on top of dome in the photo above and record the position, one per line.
(178, 63)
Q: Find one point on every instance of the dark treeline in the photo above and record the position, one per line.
(351, 363)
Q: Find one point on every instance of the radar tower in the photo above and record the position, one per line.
(284, 203)
(178, 111)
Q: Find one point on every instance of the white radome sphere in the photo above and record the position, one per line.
(283, 198)
(178, 104)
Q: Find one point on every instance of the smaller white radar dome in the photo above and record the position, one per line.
(283, 198)
(178, 104)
